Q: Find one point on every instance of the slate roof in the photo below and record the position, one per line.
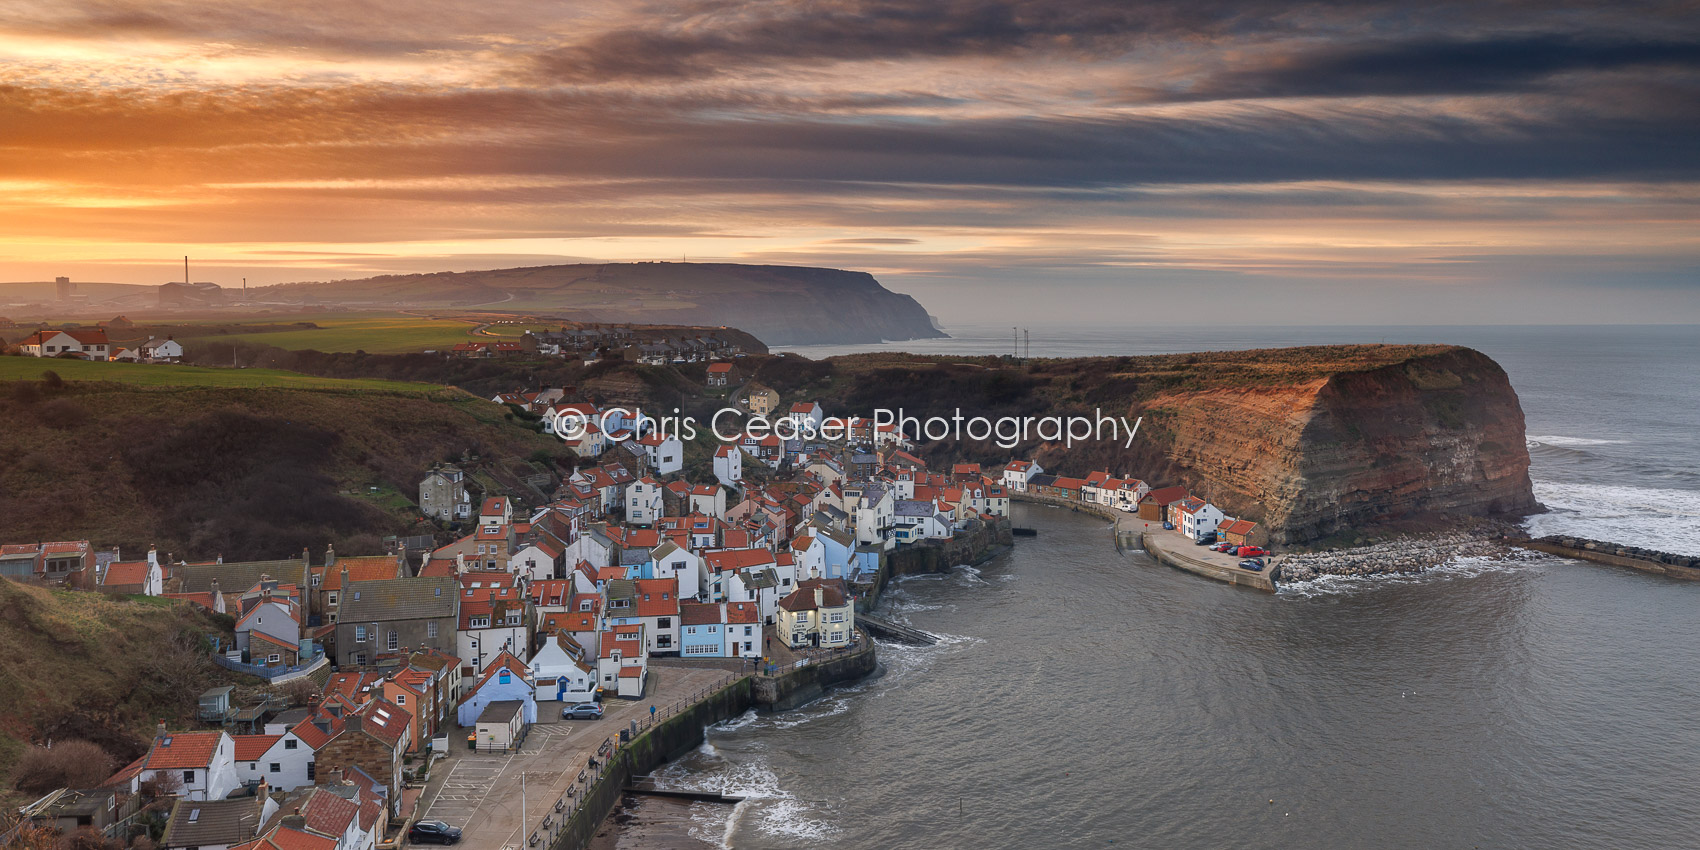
(239, 576)
(500, 711)
(212, 822)
(417, 598)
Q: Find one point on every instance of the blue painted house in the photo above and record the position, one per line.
(506, 678)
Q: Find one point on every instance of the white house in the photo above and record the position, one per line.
(492, 622)
(817, 613)
(623, 665)
(681, 565)
(807, 415)
(708, 499)
(284, 761)
(563, 670)
(165, 350)
(810, 556)
(1018, 473)
(729, 465)
(89, 344)
(643, 501)
(1198, 517)
(506, 678)
(204, 763)
(666, 454)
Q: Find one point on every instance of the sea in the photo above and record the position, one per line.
(1082, 697)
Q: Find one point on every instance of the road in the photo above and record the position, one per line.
(481, 792)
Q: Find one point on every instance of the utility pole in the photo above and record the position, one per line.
(185, 270)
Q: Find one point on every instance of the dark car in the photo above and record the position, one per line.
(1252, 564)
(433, 832)
(1168, 526)
(1206, 540)
(582, 711)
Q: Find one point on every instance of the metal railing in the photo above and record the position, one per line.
(600, 766)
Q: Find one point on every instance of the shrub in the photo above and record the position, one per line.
(72, 763)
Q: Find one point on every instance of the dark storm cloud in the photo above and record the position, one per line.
(1431, 67)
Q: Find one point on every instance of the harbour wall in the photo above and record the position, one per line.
(800, 685)
(1607, 553)
(652, 748)
(1180, 560)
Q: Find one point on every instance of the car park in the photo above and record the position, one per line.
(433, 832)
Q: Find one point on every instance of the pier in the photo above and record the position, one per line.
(893, 631)
(1176, 550)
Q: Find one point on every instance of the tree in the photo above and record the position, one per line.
(71, 763)
(298, 691)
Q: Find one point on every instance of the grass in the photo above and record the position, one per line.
(376, 334)
(163, 375)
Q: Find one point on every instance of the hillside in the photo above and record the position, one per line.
(1310, 440)
(201, 466)
(105, 669)
(781, 305)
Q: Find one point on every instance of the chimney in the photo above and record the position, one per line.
(352, 722)
(820, 596)
(293, 821)
(401, 557)
(330, 555)
(153, 556)
(159, 730)
(306, 558)
(345, 579)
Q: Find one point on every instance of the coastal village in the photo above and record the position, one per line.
(396, 684)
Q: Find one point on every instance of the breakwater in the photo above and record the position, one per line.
(786, 689)
(1403, 554)
(1619, 555)
(1172, 549)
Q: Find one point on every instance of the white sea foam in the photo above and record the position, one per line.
(767, 805)
(1458, 568)
(1550, 440)
(1656, 518)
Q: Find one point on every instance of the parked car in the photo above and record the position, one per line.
(1223, 547)
(582, 711)
(433, 832)
(1205, 540)
(1168, 526)
(1252, 564)
(1252, 552)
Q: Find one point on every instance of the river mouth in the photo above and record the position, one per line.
(1081, 697)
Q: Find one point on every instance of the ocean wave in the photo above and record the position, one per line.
(767, 805)
(1661, 518)
(1548, 440)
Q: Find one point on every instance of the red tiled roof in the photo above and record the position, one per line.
(123, 573)
(737, 559)
(372, 568)
(699, 613)
(252, 747)
(1166, 495)
(182, 750)
(658, 597)
(742, 613)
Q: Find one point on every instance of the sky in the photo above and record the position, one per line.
(1282, 162)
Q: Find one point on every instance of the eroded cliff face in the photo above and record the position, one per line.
(1438, 433)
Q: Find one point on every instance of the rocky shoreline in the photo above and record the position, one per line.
(1412, 553)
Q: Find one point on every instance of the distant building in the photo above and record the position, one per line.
(198, 294)
(82, 343)
(63, 288)
(442, 495)
(155, 350)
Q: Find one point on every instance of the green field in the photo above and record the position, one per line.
(161, 375)
(378, 334)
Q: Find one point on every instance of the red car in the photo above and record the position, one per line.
(1252, 552)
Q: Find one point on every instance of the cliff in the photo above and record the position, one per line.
(1310, 441)
(782, 305)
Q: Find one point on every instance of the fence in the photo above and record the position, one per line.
(605, 776)
(275, 675)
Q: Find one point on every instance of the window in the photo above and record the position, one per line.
(188, 777)
(290, 743)
(359, 658)
(332, 598)
(480, 622)
(401, 699)
(747, 632)
(431, 629)
(311, 769)
(275, 768)
(664, 622)
(273, 658)
(690, 630)
(394, 640)
(359, 633)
